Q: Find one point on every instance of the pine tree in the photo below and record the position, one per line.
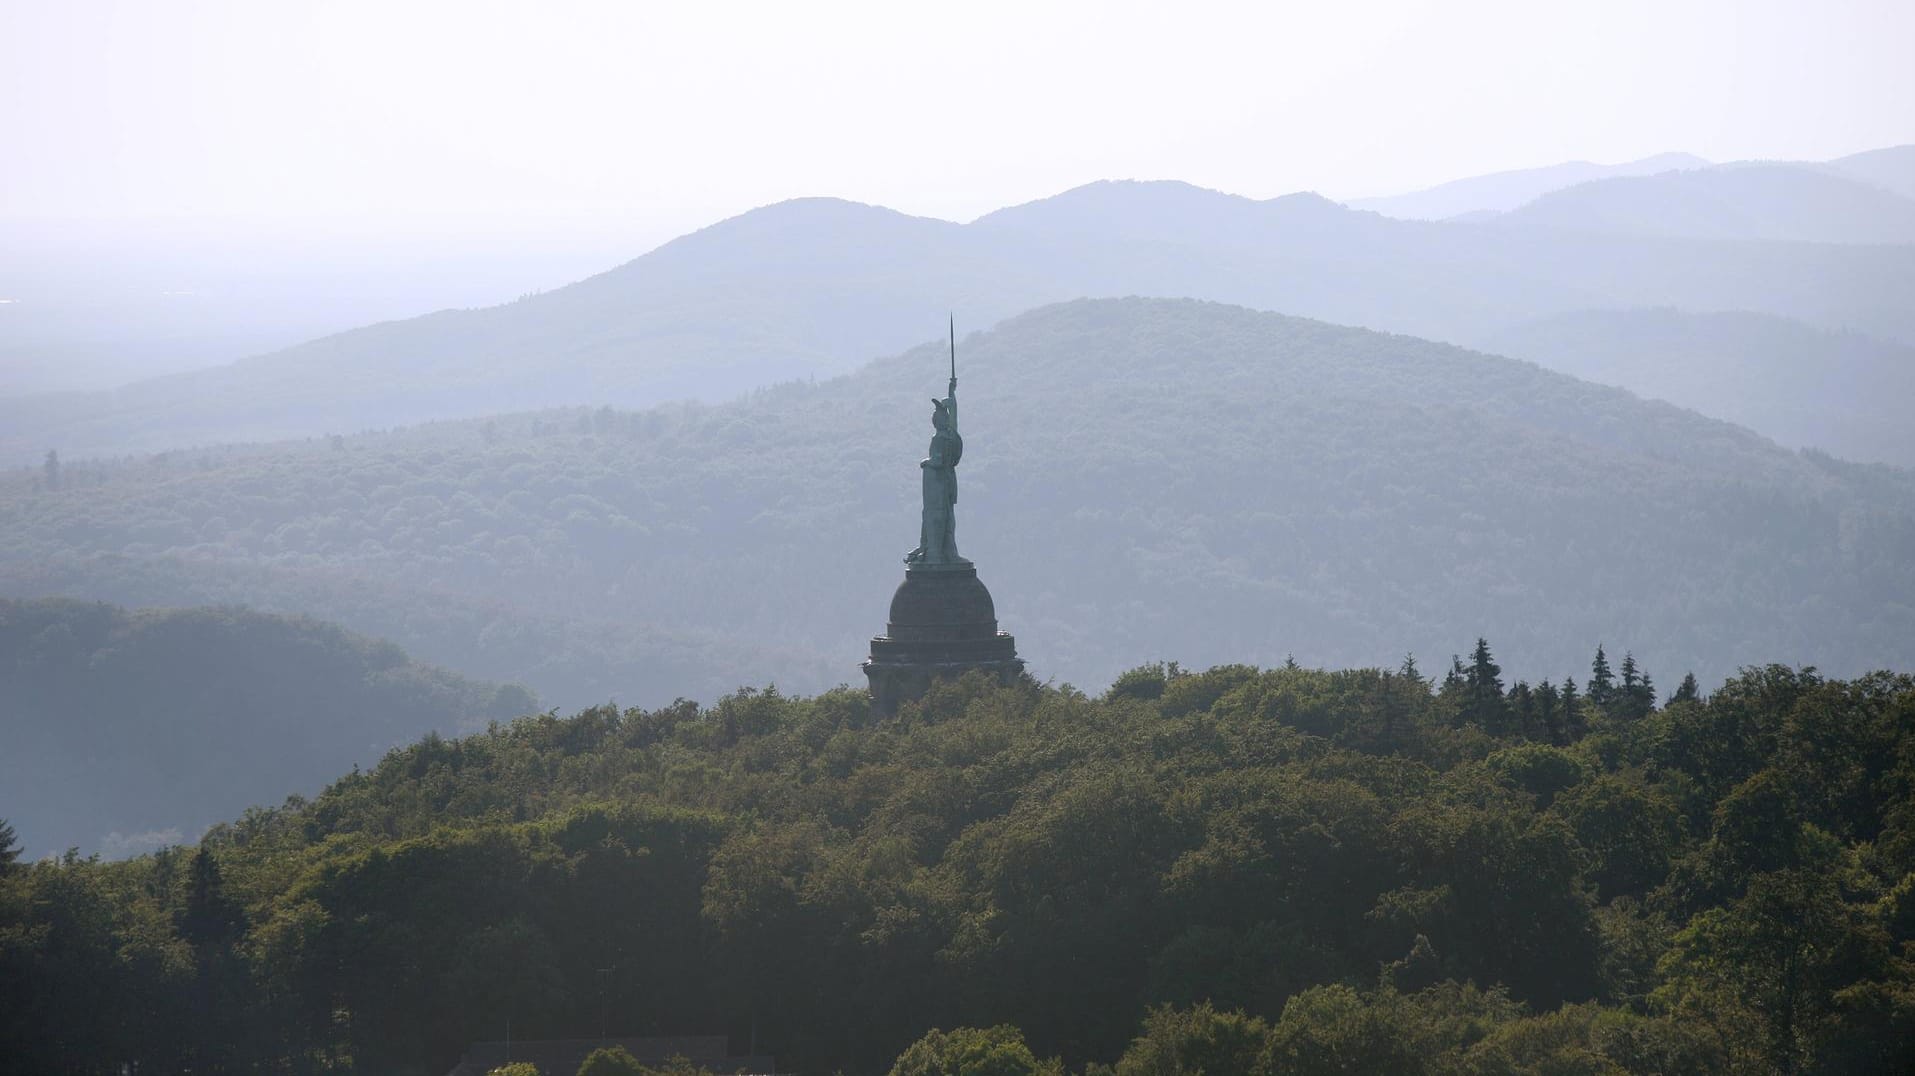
(1636, 698)
(1573, 722)
(1687, 691)
(1522, 708)
(210, 919)
(1549, 714)
(52, 469)
(1409, 670)
(1602, 683)
(9, 848)
(1483, 692)
(213, 924)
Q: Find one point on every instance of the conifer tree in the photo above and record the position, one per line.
(1522, 709)
(1602, 683)
(1636, 698)
(210, 919)
(1549, 714)
(1687, 691)
(1483, 691)
(9, 848)
(1573, 722)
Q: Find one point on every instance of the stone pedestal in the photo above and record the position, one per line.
(942, 625)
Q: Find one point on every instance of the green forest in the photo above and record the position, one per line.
(1141, 477)
(1279, 870)
(123, 729)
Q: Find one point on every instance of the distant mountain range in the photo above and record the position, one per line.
(1500, 192)
(1478, 197)
(1144, 479)
(1891, 168)
(812, 288)
(1747, 202)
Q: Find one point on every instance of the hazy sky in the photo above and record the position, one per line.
(693, 111)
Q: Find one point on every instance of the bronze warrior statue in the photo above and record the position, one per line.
(937, 535)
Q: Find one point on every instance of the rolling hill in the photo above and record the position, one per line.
(1146, 478)
(1891, 168)
(1746, 201)
(816, 287)
(1844, 393)
(129, 729)
(1500, 192)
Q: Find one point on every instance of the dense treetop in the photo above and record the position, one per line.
(123, 730)
(1141, 477)
(1247, 870)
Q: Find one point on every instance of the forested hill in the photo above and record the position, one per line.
(127, 729)
(1150, 477)
(1242, 872)
(819, 286)
(1844, 393)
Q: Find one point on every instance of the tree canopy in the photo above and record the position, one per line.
(1284, 870)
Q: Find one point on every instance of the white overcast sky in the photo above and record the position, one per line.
(693, 111)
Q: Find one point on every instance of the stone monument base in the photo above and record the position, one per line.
(943, 624)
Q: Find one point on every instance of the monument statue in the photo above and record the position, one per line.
(937, 531)
(943, 622)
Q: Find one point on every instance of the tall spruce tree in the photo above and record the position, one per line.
(1522, 711)
(1602, 682)
(9, 848)
(1687, 691)
(1549, 713)
(1573, 722)
(1636, 698)
(1483, 701)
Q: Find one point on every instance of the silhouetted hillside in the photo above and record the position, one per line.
(1500, 192)
(815, 287)
(1141, 477)
(1744, 201)
(1841, 392)
(1892, 168)
(127, 729)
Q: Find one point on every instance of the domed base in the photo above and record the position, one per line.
(943, 624)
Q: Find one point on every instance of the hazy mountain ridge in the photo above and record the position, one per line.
(1761, 201)
(126, 729)
(813, 287)
(1841, 392)
(1146, 477)
(1891, 168)
(1499, 192)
